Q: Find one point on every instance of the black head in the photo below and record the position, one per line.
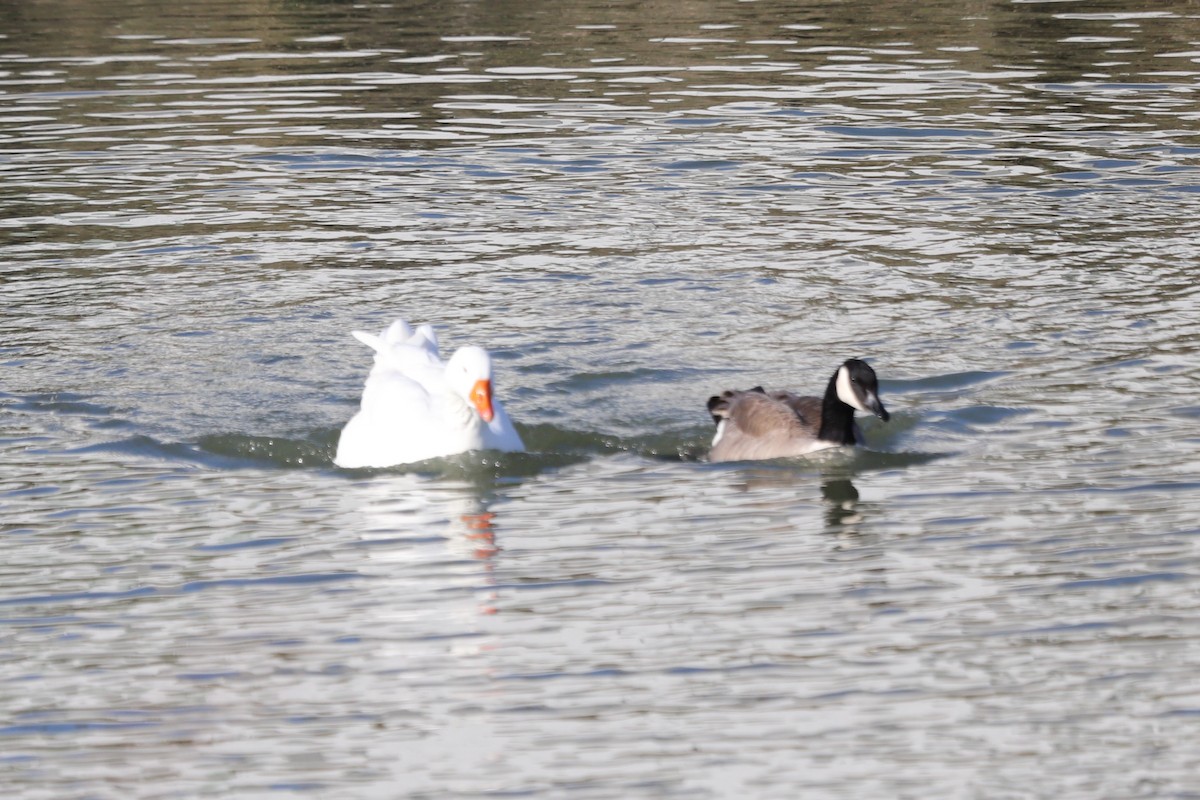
(858, 388)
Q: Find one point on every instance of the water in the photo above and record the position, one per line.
(633, 206)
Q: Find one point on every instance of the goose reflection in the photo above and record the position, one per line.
(481, 533)
(842, 513)
(412, 526)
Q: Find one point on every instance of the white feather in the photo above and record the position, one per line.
(720, 432)
(414, 407)
(846, 392)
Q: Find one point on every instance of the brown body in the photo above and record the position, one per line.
(757, 424)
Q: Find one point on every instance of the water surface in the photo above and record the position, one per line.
(633, 206)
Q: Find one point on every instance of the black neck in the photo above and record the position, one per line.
(837, 418)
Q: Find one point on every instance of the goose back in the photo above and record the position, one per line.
(757, 424)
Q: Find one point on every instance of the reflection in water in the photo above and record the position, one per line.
(634, 203)
(842, 513)
(482, 532)
(842, 498)
(410, 521)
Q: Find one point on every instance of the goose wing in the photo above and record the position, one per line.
(754, 424)
(402, 415)
(399, 422)
(806, 408)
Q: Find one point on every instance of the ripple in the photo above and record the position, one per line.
(631, 210)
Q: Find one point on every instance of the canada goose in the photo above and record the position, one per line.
(415, 407)
(756, 424)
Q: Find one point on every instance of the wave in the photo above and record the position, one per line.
(549, 447)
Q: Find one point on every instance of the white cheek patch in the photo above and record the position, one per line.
(846, 393)
(720, 432)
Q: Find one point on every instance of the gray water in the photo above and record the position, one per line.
(633, 206)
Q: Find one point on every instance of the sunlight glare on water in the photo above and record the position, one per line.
(633, 207)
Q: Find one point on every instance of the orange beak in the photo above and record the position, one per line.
(481, 398)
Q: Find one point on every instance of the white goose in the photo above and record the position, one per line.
(414, 407)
